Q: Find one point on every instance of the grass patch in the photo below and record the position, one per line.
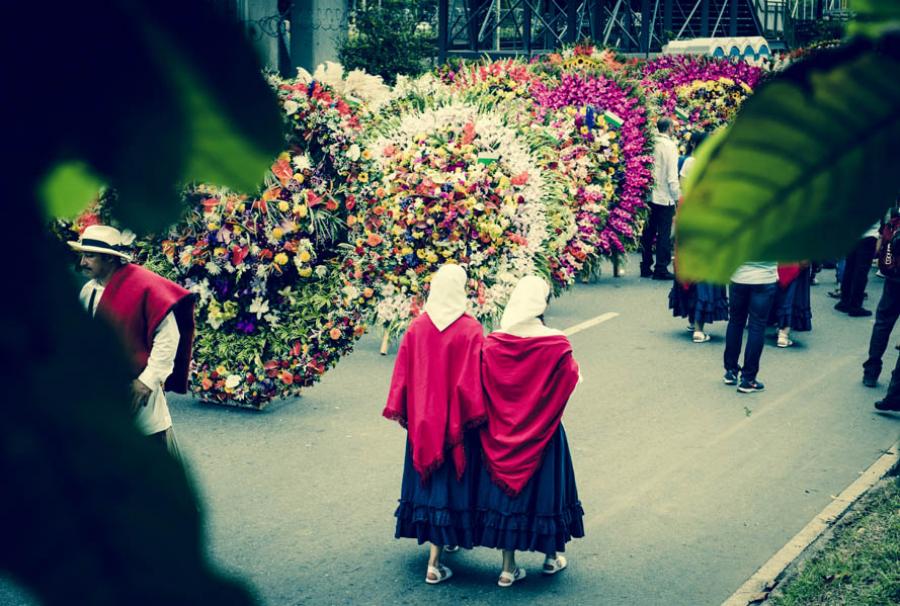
(860, 564)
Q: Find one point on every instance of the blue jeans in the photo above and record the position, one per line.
(749, 306)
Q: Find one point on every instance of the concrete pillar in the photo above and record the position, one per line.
(317, 29)
(263, 24)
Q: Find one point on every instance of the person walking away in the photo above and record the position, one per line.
(666, 192)
(527, 497)
(436, 395)
(791, 309)
(154, 319)
(888, 306)
(701, 303)
(750, 297)
(856, 274)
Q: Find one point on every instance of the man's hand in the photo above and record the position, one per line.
(140, 395)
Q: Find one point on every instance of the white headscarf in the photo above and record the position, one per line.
(527, 302)
(447, 299)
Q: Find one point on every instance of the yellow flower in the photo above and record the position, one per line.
(363, 177)
(281, 259)
(278, 233)
(300, 210)
(584, 130)
(237, 230)
(366, 154)
(298, 177)
(305, 272)
(304, 256)
(212, 226)
(283, 206)
(219, 251)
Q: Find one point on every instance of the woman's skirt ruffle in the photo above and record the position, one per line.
(440, 511)
(544, 516)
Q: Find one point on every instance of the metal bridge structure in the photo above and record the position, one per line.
(474, 28)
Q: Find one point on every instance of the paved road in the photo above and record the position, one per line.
(688, 487)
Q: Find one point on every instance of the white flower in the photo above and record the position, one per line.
(291, 107)
(321, 271)
(351, 292)
(271, 318)
(127, 238)
(232, 381)
(259, 307)
(301, 161)
(213, 269)
(353, 153)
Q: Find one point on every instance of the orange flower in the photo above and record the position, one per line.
(206, 384)
(368, 292)
(374, 240)
(282, 170)
(335, 334)
(286, 377)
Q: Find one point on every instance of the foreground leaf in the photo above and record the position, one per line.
(874, 17)
(809, 164)
(67, 189)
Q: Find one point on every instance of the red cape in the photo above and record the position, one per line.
(787, 273)
(528, 382)
(436, 390)
(135, 301)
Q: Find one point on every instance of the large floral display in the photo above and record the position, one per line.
(505, 167)
(458, 183)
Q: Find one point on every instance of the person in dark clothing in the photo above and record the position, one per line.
(856, 275)
(886, 315)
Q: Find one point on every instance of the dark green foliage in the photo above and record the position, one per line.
(144, 94)
(390, 37)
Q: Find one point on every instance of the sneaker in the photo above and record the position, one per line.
(666, 275)
(870, 381)
(887, 405)
(690, 328)
(750, 386)
(859, 312)
(834, 294)
(730, 377)
(700, 337)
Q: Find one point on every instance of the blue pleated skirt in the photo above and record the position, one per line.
(706, 303)
(792, 306)
(441, 510)
(543, 517)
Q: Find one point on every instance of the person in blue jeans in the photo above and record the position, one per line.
(750, 296)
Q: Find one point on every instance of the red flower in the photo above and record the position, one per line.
(238, 254)
(282, 170)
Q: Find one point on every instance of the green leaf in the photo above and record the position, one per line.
(68, 188)
(809, 164)
(874, 17)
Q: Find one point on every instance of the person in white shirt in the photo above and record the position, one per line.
(750, 297)
(154, 318)
(666, 192)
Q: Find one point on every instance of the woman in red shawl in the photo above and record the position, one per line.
(436, 394)
(527, 499)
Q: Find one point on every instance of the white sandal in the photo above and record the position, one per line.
(700, 337)
(440, 571)
(508, 578)
(554, 566)
(451, 548)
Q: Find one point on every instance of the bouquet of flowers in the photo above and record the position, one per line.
(459, 184)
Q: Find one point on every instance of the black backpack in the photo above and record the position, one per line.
(889, 253)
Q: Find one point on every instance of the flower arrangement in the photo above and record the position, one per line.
(606, 156)
(699, 93)
(582, 58)
(458, 183)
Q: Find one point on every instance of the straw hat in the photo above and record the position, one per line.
(105, 240)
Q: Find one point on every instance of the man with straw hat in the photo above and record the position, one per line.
(153, 317)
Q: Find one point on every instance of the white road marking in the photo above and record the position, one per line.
(590, 323)
(772, 570)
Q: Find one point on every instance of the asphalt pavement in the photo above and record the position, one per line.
(687, 485)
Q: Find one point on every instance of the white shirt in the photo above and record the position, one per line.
(756, 273)
(666, 189)
(154, 417)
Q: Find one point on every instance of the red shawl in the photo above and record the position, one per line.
(528, 382)
(135, 301)
(436, 390)
(787, 273)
